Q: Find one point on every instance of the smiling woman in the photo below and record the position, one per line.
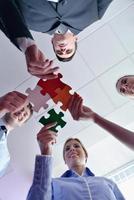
(77, 183)
(125, 85)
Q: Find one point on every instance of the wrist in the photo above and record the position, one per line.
(95, 117)
(24, 43)
(46, 150)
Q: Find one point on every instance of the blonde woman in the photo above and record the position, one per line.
(77, 183)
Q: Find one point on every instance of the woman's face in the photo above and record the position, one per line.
(74, 154)
(125, 86)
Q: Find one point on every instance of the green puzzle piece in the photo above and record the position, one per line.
(54, 117)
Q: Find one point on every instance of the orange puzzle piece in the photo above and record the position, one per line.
(63, 96)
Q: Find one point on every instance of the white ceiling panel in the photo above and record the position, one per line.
(123, 27)
(115, 8)
(95, 98)
(108, 155)
(76, 72)
(123, 68)
(14, 184)
(124, 115)
(105, 53)
(103, 50)
(13, 71)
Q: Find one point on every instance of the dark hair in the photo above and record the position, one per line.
(66, 59)
(68, 140)
(119, 81)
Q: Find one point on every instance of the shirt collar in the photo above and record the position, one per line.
(71, 173)
(2, 123)
(55, 1)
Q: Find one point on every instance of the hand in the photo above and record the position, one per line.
(38, 65)
(12, 102)
(46, 139)
(78, 110)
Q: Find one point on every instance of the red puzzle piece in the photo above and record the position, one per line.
(50, 86)
(63, 96)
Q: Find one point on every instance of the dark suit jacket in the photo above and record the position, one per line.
(18, 16)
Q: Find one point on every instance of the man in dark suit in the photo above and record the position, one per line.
(63, 19)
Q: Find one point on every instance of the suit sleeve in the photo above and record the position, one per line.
(102, 7)
(12, 22)
(41, 188)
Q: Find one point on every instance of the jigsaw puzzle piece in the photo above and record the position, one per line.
(38, 100)
(63, 96)
(54, 117)
(49, 86)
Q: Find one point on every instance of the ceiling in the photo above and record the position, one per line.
(105, 53)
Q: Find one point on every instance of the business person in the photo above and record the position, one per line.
(63, 19)
(16, 110)
(77, 183)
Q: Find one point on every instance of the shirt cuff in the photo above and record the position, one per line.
(24, 43)
(2, 123)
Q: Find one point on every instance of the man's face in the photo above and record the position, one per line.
(20, 116)
(64, 44)
(126, 86)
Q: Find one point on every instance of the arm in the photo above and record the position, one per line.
(102, 7)
(79, 111)
(41, 187)
(12, 21)
(123, 135)
(10, 102)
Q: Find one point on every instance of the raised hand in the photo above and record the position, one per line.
(12, 102)
(46, 139)
(78, 110)
(38, 65)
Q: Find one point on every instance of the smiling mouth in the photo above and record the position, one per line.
(73, 154)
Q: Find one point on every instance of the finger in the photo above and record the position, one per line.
(14, 99)
(48, 126)
(46, 134)
(75, 105)
(40, 71)
(48, 63)
(37, 63)
(48, 77)
(76, 111)
(73, 101)
(9, 107)
(21, 95)
(51, 70)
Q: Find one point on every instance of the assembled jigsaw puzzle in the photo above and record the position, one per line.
(53, 89)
